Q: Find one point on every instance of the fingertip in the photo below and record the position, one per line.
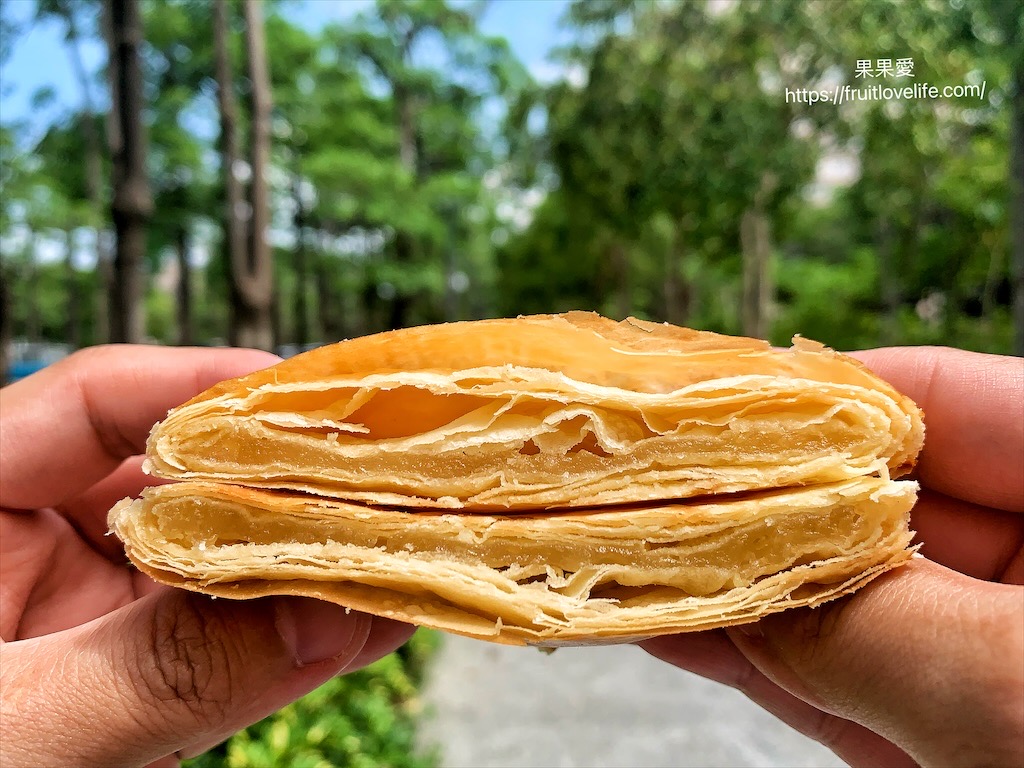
(223, 363)
(316, 631)
(96, 408)
(385, 636)
(709, 654)
(974, 416)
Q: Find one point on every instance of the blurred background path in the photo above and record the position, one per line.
(491, 706)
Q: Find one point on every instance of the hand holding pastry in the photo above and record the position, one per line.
(552, 479)
(925, 665)
(549, 480)
(99, 665)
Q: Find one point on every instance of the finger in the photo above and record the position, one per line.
(928, 658)
(88, 511)
(72, 423)
(51, 579)
(709, 654)
(968, 538)
(170, 670)
(384, 637)
(974, 419)
(714, 656)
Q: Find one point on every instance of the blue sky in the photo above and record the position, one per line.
(39, 58)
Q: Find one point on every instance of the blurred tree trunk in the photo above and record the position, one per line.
(322, 274)
(673, 292)
(755, 239)
(604, 277)
(132, 202)
(105, 281)
(401, 302)
(72, 295)
(254, 317)
(452, 297)
(248, 252)
(407, 150)
(234, 238)
(31, 280)
(93, 169)
(623, 288)
(889, 280)
(6, 331)
(338, 314)
(184, 302)
(374, 312)
(408, 153)
(104, 249)
(758, 283)
(278, 324)
(301, 266)
(993, 275)
(1017, 207)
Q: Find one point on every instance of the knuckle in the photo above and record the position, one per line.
(187, 665)
(80, 367)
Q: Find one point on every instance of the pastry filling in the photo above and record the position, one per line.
(553, 479)
(577, 556)
(487, 448)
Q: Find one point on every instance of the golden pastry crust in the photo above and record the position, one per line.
(567, 578)
(550, 480)
(542, 412)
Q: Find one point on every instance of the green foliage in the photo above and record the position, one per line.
(160, 319)
(845, 321)
(429, 178)
(362, 720)
(32, 316)
(677, 121)
(407, 162)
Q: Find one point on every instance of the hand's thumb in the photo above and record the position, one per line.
(169, 671)
(927, 657)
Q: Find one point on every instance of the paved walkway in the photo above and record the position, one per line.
(491, 706)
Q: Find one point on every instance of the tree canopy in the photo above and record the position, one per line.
(416, 172)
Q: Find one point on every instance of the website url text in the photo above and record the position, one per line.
(845, 93)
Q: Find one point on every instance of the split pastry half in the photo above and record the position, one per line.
(585, 576)
(546, 480)
(542, 412)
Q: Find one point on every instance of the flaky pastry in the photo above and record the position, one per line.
(546, 480)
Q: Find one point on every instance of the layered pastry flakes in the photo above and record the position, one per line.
(547, 480)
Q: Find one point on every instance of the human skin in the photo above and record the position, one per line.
(924, 665)
(99, 665)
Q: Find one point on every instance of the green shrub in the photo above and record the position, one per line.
(363, 720)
